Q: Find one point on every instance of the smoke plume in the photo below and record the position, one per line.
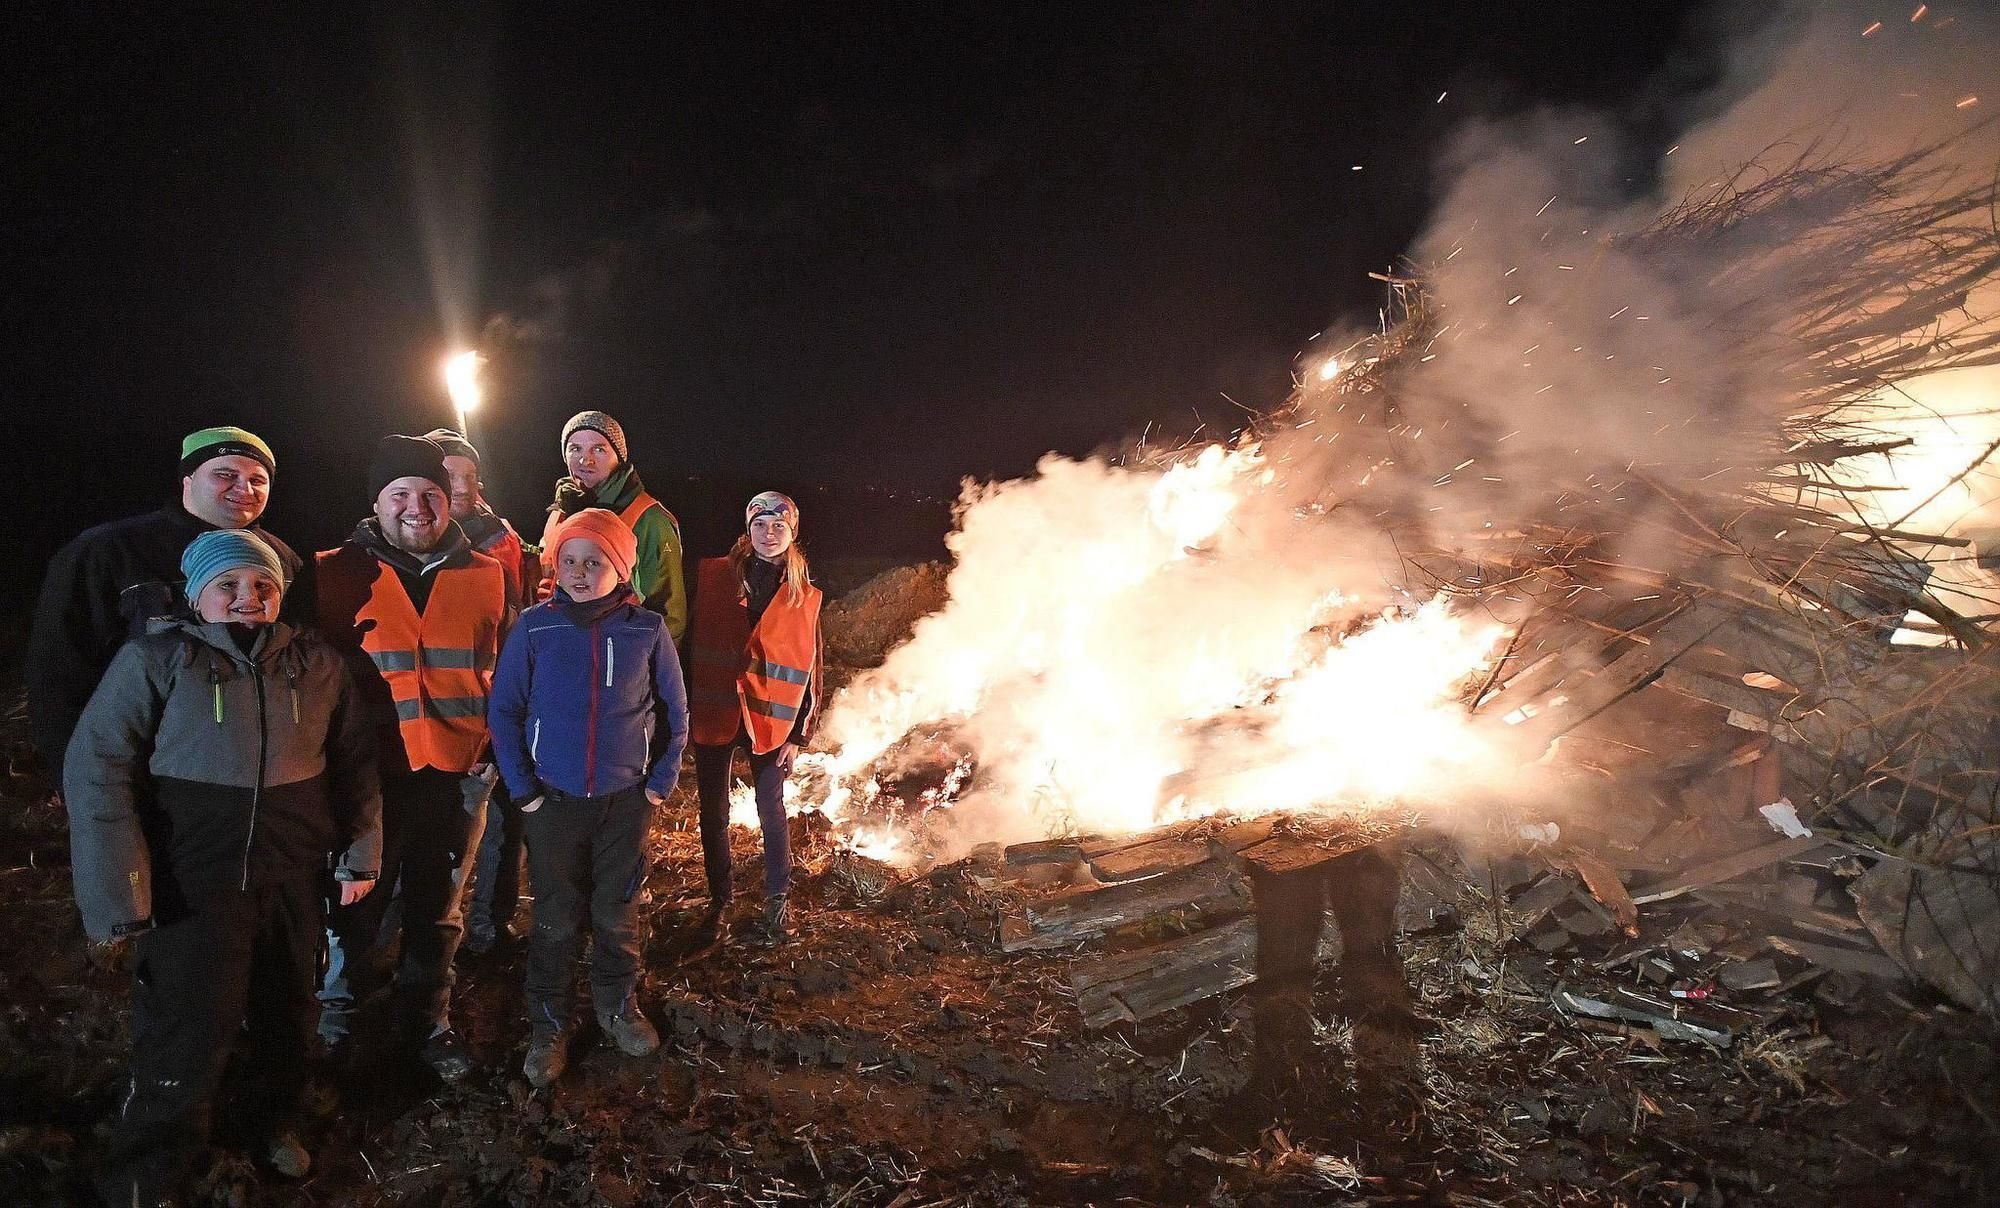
(1128, 641)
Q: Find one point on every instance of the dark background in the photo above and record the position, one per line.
(854, 255)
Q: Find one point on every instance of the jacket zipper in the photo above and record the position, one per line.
(535, 743)
(590, 726)
(256, 789)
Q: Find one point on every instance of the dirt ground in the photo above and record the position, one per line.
(891, 1056)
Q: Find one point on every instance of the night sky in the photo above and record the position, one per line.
(883, 248)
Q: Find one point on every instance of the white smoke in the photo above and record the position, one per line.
(1127, 643)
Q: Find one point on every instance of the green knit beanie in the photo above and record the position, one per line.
(225, 441)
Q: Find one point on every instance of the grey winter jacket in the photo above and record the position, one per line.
(198, 770)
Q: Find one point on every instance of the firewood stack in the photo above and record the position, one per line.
(1188, 889)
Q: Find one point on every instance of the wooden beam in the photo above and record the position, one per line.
(1147, 859)
(1128, 986)
(1727, 868)
(1072, 918)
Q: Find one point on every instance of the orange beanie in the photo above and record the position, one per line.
(607, 532)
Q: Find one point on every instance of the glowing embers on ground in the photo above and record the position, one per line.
(1126, 645)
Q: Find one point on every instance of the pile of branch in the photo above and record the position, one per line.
(1747, 571)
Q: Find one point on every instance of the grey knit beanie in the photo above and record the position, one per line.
(599, 422)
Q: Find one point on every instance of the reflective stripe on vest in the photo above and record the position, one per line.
(462, 658)
(747, 680)
(437, 666)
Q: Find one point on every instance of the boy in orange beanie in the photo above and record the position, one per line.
(580, 681)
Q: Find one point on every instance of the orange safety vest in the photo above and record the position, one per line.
(505, 548)
(629, 514)
(436, 667)
(745, 678)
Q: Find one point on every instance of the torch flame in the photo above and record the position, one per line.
(461, 380)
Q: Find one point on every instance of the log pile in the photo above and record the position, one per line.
(1170, 913)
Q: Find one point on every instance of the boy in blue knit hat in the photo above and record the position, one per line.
(221, 767)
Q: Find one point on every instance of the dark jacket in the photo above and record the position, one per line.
(575, 695)
(102, 589)
(198, 770)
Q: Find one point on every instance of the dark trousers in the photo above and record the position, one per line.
(431, 823)
(238, 962)
(586, 857)
(711, 778)
(496, 878)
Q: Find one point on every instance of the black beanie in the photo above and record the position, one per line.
(453, 443)
(406, 457)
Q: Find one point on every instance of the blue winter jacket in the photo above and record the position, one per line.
(574, 700)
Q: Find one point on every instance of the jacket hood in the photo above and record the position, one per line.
(454, 550)
(272, 639)
(484, 525)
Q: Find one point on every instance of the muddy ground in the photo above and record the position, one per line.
(890, 1056)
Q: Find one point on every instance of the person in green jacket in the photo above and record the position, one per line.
(601, 475)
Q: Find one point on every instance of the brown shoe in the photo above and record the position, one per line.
(548, 1057)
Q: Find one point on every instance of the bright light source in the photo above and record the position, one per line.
(1329, 369)
(461, 378)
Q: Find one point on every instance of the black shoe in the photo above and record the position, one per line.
(480, 939)
(714, 927)
(446, 1054)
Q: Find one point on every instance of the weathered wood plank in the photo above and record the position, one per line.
(1237, 836)
(1727, 868)
(1626, 674)
(1147, 859)
(1867, 962)
(1602, 881)
(1803, 914)
(1045, 851)
(1073, 917)
(1282, 854)
(1944, 926)
(1127, 986)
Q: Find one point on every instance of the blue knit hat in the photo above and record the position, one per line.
(219, 550)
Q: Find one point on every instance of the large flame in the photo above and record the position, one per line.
(1125, 645)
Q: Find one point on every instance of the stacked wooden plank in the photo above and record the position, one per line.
(1169, 916)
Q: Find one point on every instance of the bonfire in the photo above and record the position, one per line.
(1394, 595)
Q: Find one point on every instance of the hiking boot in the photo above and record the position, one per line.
(548, 1057)
(445, 1053)
(714, 927)
(630, 1030)
(286, 1156)
(775, 928)
(480, 939)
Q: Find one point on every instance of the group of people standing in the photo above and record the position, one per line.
(266, 760)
